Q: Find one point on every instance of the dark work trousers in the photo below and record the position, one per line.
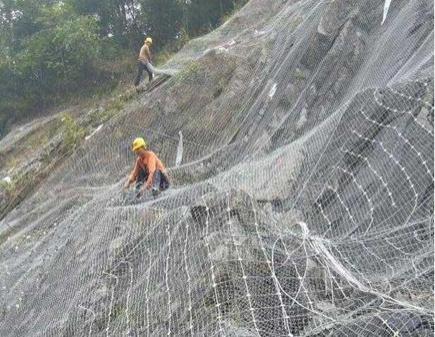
(140, 68)
(160, 181)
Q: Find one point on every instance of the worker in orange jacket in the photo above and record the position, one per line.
(148, 170)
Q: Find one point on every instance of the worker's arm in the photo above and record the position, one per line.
(133, 175)
(151, 170)
(144, 54)
(147, 53)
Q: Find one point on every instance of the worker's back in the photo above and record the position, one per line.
(150, 160)
(144, 54)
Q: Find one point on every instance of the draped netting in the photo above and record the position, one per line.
(299, 140)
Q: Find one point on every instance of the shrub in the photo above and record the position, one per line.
(73, 133)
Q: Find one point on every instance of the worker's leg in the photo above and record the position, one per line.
(160, 183)
(140, 69)
(150, 73)
(164, 182)
(141, 179)
(156, 182)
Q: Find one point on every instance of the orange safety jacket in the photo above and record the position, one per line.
(149, 162)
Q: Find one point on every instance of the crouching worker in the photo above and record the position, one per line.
(148, 170)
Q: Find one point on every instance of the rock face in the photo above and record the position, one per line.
(303, 205)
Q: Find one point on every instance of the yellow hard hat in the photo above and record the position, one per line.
(138, 143)
(149, 40)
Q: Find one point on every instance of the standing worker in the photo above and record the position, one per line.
(148, 170)
(144, 61)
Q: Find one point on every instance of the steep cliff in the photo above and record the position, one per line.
(302, 198)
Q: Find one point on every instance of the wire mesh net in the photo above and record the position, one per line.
(302, 198)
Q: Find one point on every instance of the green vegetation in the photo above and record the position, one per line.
(17, 183)
(228, 14)
(58, 51)
(7, 186)
(188, 73)
(73, 133)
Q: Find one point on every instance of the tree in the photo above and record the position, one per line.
(53, 60)
(200, 16)
(63, 50)
(121, 19)
(163, 20)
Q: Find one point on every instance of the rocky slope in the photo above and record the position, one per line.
(303, 204)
